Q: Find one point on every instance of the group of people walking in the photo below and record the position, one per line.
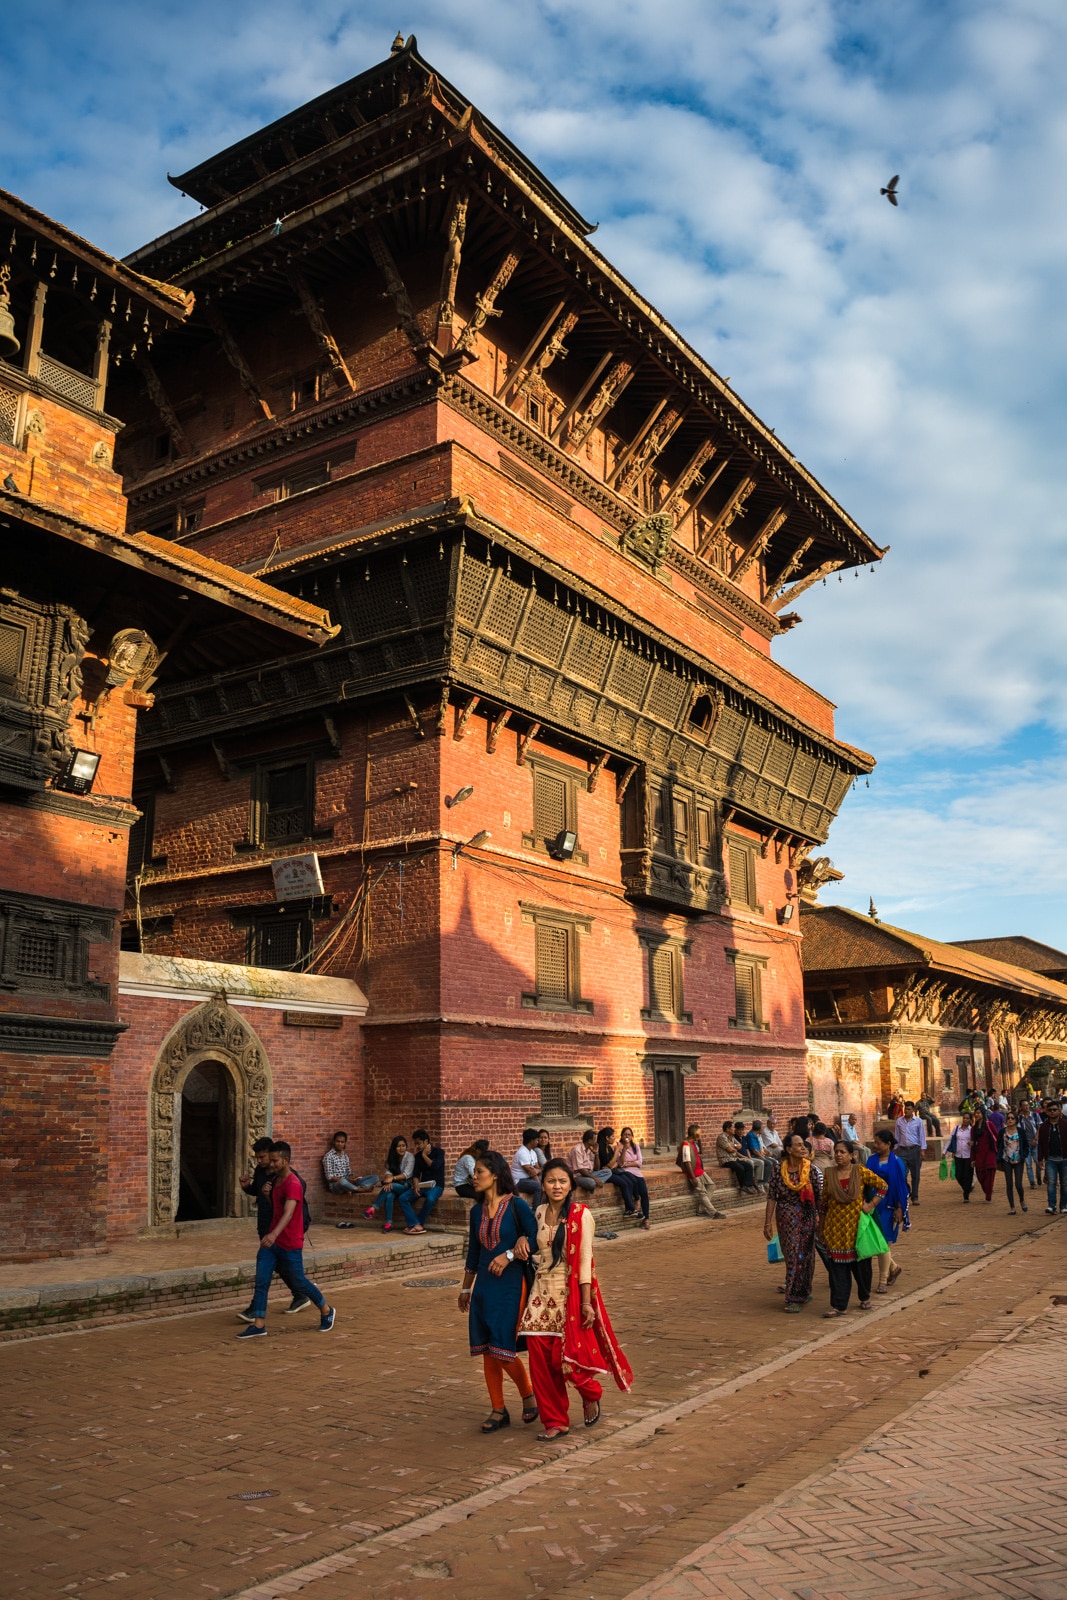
(1030, 1141)
(816, 1210)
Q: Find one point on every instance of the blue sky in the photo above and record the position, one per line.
(916, 360)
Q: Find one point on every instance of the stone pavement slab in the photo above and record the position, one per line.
(965, 1495)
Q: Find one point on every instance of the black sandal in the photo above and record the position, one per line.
(591, 1422)
(496, 1420)
(552, 1436)
(530, 1412)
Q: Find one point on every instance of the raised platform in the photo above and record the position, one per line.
(669, 1194)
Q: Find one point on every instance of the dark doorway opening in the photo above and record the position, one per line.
(668, 1105)
(206, 1147)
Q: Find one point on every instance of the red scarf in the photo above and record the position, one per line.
(593, 1350)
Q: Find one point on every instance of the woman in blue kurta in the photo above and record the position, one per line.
(503, 1235)
(891, 1212)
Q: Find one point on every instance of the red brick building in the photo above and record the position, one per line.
(557, 788)
(91, 616)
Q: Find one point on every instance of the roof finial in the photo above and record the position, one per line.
(398, 44)
(872, 910)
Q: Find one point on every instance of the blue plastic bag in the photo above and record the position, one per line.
(775, 1251)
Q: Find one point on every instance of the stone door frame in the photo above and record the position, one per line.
(213, 1032)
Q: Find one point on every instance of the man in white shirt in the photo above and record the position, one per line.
(772, 1139)
(911, 1143)
(526, 1169)
(849, 1129)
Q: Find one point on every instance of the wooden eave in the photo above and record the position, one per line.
(185, 569)
(149, 294)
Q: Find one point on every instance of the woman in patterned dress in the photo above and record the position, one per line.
(792, 1212)
(839, 1213)
(566, 1328)
(503, 1235)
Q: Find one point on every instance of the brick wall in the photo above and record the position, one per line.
(53, 1155)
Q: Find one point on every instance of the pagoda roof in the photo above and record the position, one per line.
(385, 151)
(837, 939)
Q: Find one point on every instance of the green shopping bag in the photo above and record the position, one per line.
(942, 1170)
(870, 1240)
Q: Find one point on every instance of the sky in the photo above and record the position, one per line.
(732, 152)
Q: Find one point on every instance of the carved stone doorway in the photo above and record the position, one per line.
(213, 1071)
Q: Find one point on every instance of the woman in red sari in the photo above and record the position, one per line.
(568, 1335)
(984, 1153)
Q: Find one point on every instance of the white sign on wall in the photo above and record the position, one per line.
(297, 877)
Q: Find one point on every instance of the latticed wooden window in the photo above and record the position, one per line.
(12, 652)
(37, 955)
(284, 943)
(553, 963)
(550, 807)
(559, 1098)
(662, 995)
(285, 807)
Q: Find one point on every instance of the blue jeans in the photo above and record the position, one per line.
(408, 1197)
(345, 1186)
(1031, 1168)
(289, 1265)
(1056, 1168)
(530, 1189)
(388, 1196)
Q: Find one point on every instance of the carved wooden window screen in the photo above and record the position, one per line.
(503, 613)
(37, 956)
(285, 803)
(661, 981)
(553, 964)
(76, 386)
(544, 631)
(559, 1098)
(550, 807)
(751, 1093)
(13, 639)
(282, 943)
(9, 415)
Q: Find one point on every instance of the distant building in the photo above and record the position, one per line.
(1019, 951)
(945, 1017)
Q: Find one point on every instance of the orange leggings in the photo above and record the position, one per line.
(494, 1379)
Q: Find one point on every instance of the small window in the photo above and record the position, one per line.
(283, 804)
(299, 481)
(37, 956)
(665, 979)
(557, 972)
(283, 942)
(140, 845)
(191, 517)
(750, 1087)
(558, 1089)
(559, 1098)
(946, 1077)
(742, 869)
(748, 996)
(555, 810)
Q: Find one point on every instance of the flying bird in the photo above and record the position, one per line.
(890, 190)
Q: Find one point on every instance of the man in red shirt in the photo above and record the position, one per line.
(281, 1249)
(689, 1159)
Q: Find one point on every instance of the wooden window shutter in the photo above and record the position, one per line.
(661, 970)
(680, 821)
(553, 974)
(744, 995)
(550, 806)
(742, 876)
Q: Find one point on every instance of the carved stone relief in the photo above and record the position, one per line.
(213, 1032)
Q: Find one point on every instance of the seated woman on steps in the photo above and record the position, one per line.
(396, 1180)
(628, 1158)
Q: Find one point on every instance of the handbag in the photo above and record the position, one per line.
(870, 1240)
(775, 1251)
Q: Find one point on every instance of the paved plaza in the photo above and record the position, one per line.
(160, 1459)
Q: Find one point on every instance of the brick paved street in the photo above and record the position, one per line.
(966, 1496)
(127, 1445)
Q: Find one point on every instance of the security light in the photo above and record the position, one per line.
(465, 844)
(785, 913)
(565, 845)
(78, 774)
(459, 796)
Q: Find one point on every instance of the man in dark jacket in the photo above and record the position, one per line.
(428, 1179)
(1052, 1153)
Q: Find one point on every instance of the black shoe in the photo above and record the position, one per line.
(246, 1316)
(298, 1303)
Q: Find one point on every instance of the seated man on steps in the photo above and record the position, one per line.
(731, 1157)
(337, 1170)
(690, 1160)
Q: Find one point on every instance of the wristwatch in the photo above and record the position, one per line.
(509, 1255)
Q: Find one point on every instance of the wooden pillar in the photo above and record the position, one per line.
(103, 343)
(31, 359)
